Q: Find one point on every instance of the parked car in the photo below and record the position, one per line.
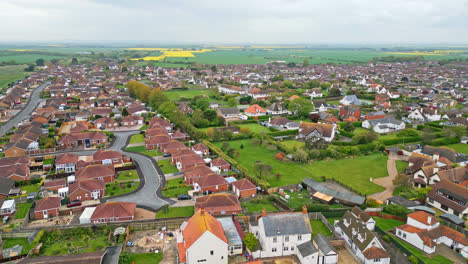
(130, 244)
(5, 219)
(167, 155)
(184, 197)
(74, 203)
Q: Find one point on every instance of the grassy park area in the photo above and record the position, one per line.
(175, 95)
(354, 172)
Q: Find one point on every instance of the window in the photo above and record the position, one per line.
(431, 200)
(285, 248)
(201, 260)
(275, 239)
(273, 250)
(404, 235)
(212, 252)
(292, 248)
(299, 237)
(377, 260)
(286, 239)
(399, 233)
(443, 207)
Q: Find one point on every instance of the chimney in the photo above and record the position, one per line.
(202, 210)
(435, 156)
(436, 170)
(304, 209)
(263, 212)
(428, 219)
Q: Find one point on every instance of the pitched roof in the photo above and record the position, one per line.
(255, 108)
(375, 253)
(211, 179)
(219, 162)
(66, 158)
(424, 218)
(47, 203)
(114, 209)
(325, 130)
(87, 185)
(244, 184)
(218, 202)
(298, 223)
(95, 171)
(200, 223)
(449, 188)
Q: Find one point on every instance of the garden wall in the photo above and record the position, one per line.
(386, 216)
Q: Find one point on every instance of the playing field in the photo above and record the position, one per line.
(352, 172)
(175, 95)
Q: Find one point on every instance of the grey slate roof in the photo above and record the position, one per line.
(356, 224)
(230, 231)
(453, 218)
(306, 249)
(383, 121)
(6, 185)
(229, 110)
(286, 224)
(347, 197)
(324, 245)
(403, 201)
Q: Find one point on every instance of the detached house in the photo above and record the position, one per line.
(357, 235)
(384, 125)
(450, 198)
(66, 162)
(244, 188)
(132, 120)
(350, 112)
(47, 207)
(277, 109)
(211, 183)
(87, 189)
(228, 112)
(194, 174)
(316, 131)
(113, 212)
(219, 204)
(104, 173)
(255, 110)
(425, 114)
(84, 140)
(106, 123)
(316, 93)
(201, 149)
(107, 157)
(220, 165)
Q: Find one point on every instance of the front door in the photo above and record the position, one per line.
(45, 214)
(87, 143)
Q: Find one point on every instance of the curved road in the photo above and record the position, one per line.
(34, 100)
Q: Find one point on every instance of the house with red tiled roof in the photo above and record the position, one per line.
(173, 147)
(157, 142)
(104, 173)
(244, 188)
(180, 153)
(83, 140)
(54, 185)
(202, 240)
(106, 123)
(87, 189)
(66, 162)
(219, 204)
(102, 111)
(255, 110)
(186, 162)
(220, 165)
(155, 131)
(132, 120)
(201, 149)
(192, 175)
(177, 135)
(47, 207)
(211, 183)
(424, 232)
(113, 212)
(107, 157)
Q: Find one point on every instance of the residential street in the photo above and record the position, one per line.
(30, 107)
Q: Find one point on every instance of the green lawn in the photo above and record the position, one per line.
(256, 128)
(30, 188)
(387, 224)
(144, 127)
(333, 102)
(461, 148)
(166, 166)
(352, 172)
(128, 175)
(332, 220)
(144, 258)
(22, 210)
(138, 138)
(401, 165)
(175, 187)
(11, 242)
(143, 150)
(258, 204)
(186, 211)
(292, 145)
(113, 189)
(176, 95)
(319, 228)
(434, 260)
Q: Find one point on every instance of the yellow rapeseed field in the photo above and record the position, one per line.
(428, 53)
(175, 53)
(21, 50)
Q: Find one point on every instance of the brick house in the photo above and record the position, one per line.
(104, 173)
(114, 212)
(192, 175)
(186, 162)
(85, 140)
(211, 182)
(106, 123)
(156, 131)
(47, 207)
(219, 204)
(107, 157)
(66, 162)
(183, 152)
(54, 185)
(89, 189)
(17, 172)
(157, 142)
(132, 120)
(173, 147)
(350, 111)
(102, 111)
(16, 149)
(201, 149)
(375, 115)
(220, 165)
(244, 188)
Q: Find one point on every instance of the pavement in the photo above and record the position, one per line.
(35, 99)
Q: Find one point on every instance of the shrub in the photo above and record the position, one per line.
(386, 238)
(397, 210)
(413, 259)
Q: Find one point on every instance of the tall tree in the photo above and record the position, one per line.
(40, 62)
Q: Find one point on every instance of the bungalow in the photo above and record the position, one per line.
(255, 110)
(84, 140)
(316, 131)
(107, 157)
(220, 165)
(186, 162)
(157, 142)
(316, 93)
(228, 112)
(132, 120)
(173, 147)
(184, 108)
(320, 105)
(47, 207)
(54, 185)
(87, 189)
(136, 109)
(219, 204)
(157, 121)
(114, 212)
(348, 111)
(102, 111)
(425, 114)
(244, 188)
(183, 152)
(104, 173)
(155, 131)
(66, 162)
(106, 123)
(230, 89)
(277, 109)
(384, 125)
(350, 100)
(16, 172)
(201, 149)
(192, 175)
(281, 123)
(211, 183)
(16, 149)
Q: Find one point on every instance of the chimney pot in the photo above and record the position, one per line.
(263, 212)
(304, 209)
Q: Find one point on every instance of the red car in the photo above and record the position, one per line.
(74, 203)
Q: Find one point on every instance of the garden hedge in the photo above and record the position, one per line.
(283, 133)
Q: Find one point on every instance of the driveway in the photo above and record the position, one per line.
(34, 100)
(387, 182)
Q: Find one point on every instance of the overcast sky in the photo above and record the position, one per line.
(236, 21)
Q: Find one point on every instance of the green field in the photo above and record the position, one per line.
(11, 73)
(319, 228)
(352, 172)
(186, 211)
(139, 138)
(256, 128)
(175, 187)
(175, 95)
(461, 148)
(166, 166)
(387, 224)
(11, 242)
(22, 210)
(143, 150)
(113, 189)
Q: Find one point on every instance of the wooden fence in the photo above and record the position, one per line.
(39, 151)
